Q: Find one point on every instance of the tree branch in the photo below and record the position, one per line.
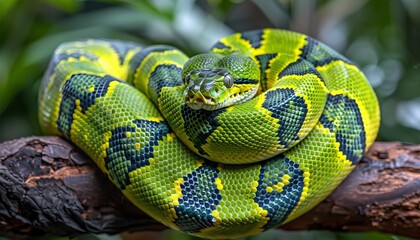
(49, 186)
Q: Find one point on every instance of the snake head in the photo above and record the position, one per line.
(215, 81)
(207, 88)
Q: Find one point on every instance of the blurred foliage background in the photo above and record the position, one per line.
(380, 36)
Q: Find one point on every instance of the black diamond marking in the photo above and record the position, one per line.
(164, 76)
(77, 88)
(254, 37)
(122, 155)
(200, 196)
(138, 58)
(300, 68)
(121, 48)
(57, 58)
(245, 81)
(284, 102)
(199, 125)
(279, 204)
(65, 56)
(319, 54)
(264, 61)
(100, 89)
(350, 132)
(220, 45)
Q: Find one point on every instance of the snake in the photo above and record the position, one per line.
(225, 144)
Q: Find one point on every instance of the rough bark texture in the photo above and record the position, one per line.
(47, 185)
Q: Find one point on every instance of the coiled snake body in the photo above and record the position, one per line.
(311, 119)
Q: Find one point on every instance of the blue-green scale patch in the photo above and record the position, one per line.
(221, 46)
(290, 110)
(164, 76)
(279, 204)
(254, 37)
(199, 125)
(245, 81)
(200, 196)
(57, 58)
(123, 156)
(300, 67)
(77, 87)
(342, 116)
(138, 58)
(263, 62)
(122, 48)
(320, 54)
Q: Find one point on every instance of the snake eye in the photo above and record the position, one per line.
(228, 81)
(187, 78)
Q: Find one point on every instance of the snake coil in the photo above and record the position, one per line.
(218, 173)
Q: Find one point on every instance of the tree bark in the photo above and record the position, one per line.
(49, 186)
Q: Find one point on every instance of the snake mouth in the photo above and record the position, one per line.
(198, 100)
(243, 96)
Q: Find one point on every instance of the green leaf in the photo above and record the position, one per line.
(69, 6)
(6, 6)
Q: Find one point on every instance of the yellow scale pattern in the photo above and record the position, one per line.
(85, 98)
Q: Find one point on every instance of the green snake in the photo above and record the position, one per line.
(224, 144)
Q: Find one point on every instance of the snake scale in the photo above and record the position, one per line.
(225, 144)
